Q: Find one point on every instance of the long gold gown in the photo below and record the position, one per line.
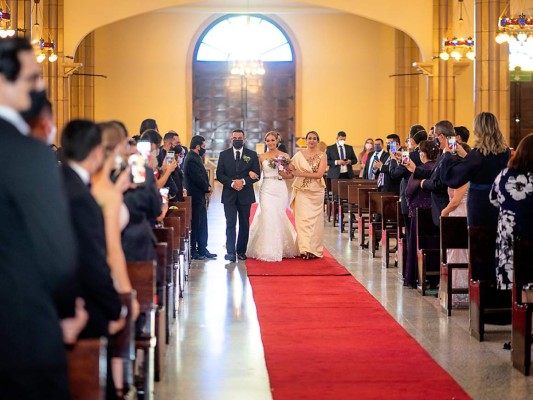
(307, 203)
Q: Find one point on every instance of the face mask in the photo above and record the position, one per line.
(388, 147)
(377, 148)
(177, 149)
(202, 152)
(409, 145)
(238, 144)
(368, 146)
(38, 100)
(341, 142)
(52, 135)
(437, 141)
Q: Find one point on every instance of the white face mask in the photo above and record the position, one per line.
(52, 135)
(341, 142)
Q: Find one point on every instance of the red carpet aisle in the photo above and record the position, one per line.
(326, 337)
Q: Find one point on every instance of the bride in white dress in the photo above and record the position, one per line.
(272, 236)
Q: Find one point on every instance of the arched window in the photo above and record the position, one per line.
(244, 37)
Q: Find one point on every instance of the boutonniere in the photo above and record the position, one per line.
(246, 159)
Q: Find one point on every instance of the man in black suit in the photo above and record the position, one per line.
(430, 180)
(233, 169)
(37, 264)
(83, 154)
(388, 182)
(197, 184)
(375, 160)
(341, 157)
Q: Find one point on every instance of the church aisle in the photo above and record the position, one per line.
(217, 352)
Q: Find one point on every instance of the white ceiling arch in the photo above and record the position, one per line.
(82, 17)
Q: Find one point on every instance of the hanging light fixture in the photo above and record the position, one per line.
(244, 59)
(516, 28)
(458, 47)
(5, 22)
(44, 49)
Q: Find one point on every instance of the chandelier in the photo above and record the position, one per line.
(5, 23)
(247, 67)
(515, 28)
(458, 47)
(44, 49)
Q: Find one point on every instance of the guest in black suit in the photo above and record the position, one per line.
(198, 188)
(375, 160)
(431, 180)
(233, 172)
(83, 153)
(341, 157)
(388, 182)
(37, 252)
(170, 140)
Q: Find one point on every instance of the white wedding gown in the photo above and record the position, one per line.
(272, 236)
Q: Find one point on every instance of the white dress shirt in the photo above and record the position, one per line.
(13, 117)
(344, 168)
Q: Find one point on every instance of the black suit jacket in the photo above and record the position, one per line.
(96, 285)
(398, 170)
(196, 178)
(390, 183)
(332, 152)
(228, 170)
(37, 259)
(439, 191)
(383, 158)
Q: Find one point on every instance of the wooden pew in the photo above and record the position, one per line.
(487, 303)
(335, 196)
(353, 203)
(428, 248)
(175, 220)
(522, 306)
(183, 255)
(402, 240)
(143, 279)
(389, 227)
(342, 201)
(328, 198)
(374, 219)
(166, 235)
(187, 204)
(161, 313)
(362, 213)
(453, 235)
(87, 369)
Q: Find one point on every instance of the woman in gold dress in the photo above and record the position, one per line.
(307, 199)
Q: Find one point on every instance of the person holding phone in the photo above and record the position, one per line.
(340, 157)
(480, 167)
(386, 181)
(375, 160)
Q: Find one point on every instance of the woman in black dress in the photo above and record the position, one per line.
(479, 167)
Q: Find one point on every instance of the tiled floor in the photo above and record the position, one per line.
(217, 354)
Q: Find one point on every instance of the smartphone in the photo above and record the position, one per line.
(164, 194)
(393, 147)
(143, 148)
(405, 157)
(138, 168)
(452, 144)
(169, 157)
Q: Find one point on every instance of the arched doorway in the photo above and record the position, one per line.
(224, 100)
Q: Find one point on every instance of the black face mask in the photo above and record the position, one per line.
(177, 149)
(202, 152)
(388, 147)
(38, 100)
(238, 144)
(437, 141)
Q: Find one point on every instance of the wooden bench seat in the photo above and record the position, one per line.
(389, 227)
(428, 250)
(87, 369)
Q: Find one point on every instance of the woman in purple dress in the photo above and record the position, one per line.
(417, 198)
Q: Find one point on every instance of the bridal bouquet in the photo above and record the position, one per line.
(280, 163)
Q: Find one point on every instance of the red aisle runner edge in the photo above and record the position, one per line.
(326, 337)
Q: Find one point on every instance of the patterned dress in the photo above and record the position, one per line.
(512, 193)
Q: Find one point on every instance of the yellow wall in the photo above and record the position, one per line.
(343, 82)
